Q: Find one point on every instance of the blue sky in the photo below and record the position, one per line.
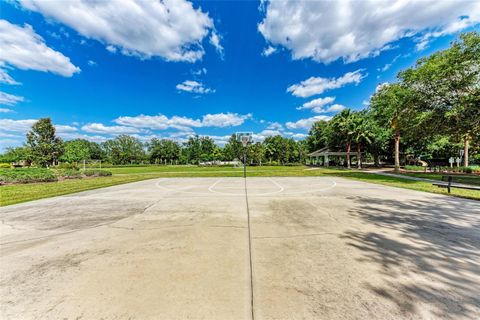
(179, 68)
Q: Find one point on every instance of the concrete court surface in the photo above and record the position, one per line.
(321, 248)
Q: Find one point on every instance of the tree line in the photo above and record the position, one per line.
(43, 148)
(431, 111)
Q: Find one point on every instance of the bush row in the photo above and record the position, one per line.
(469, 169)
(96, 173)
(29, 175)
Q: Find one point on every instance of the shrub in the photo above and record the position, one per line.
(26, 175)
(97, 173)
(415, 168)
(68, 173)
(5, 165)
(466, 169)
(66, 165)
(475, 169)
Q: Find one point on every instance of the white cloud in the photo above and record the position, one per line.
(317, 85)
(5, 77)
(333, 108)
(275, 126)
(381, 85)
(328, 30)
(101, 128)
(91, 63)
(260, 136)
(321, 105)
(24, 49)
(162, 122)
(16, 125)
(111, 48)
(299, 136)
(9, 135)
(269, 50)
(9, 99)
(159, 122)
(422, 44)
(306, 123)
(16, 130)
(269, 132)
(224, 119)
(65, 128)
(389, 65)
(5, 110)
(171, 29)
(215, 41)
(193, 87)
(23, 126)
(317, 103)
(199, 72)
(220, 140)
(9, 143)
(76, 135)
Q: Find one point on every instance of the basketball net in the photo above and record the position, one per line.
(245, 140)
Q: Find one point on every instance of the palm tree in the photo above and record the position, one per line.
(393, 107)
(362, 133)
(343, 125)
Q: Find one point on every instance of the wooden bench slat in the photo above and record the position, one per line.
(451, 185)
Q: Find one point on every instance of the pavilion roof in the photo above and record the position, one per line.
(327, 152)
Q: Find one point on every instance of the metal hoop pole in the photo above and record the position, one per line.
(244, 162)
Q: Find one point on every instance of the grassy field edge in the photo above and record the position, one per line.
(18, 193)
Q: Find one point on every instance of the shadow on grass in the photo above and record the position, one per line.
(425, 186)
(434, 260)
(370, 176)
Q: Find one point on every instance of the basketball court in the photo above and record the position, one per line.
(230, 248)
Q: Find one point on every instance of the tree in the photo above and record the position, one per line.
(124, 149)
(76, 150)
(207, 147)
(380, 136)
(361, 133)
(217, 153)
(172, 150)
(302, 150)
(317, 136)
(255, 153)
(16, 154)
(233, 149)
(341, 127)
(393, 107)
(45, 146)
(449, 82)
(193, 149)
(163, 150)
(276, 149)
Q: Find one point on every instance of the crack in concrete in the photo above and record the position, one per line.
(297, 236)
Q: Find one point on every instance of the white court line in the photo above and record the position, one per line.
(333, 185)
(182, 189)
(211, 189)
(213, 185)
(277, 184)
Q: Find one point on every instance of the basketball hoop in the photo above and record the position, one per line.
(245, 138)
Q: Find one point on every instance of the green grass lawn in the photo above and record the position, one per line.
(11, 194)
(474, 180)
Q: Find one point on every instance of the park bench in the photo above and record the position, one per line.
(450, 184)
